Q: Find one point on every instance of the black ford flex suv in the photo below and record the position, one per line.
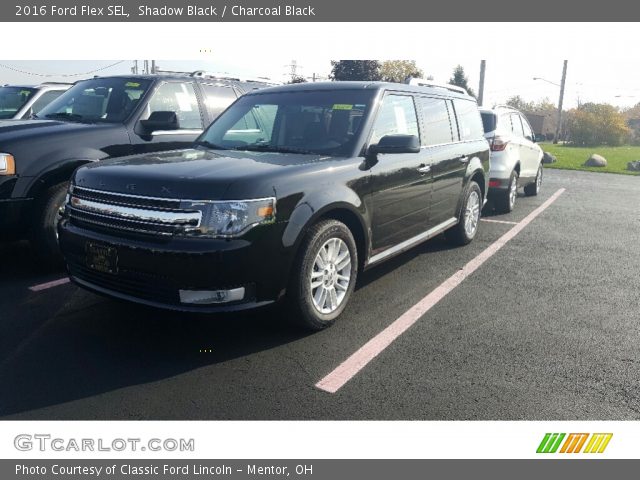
(288, 195)
(98, 118)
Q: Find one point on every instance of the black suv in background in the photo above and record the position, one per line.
(291, 191)
(103, 117)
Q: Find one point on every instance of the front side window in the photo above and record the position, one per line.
(179, 98)
(314, 122)
(13, 99)
(397, 115)
(109, 100)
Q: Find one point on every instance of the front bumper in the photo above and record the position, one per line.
(153, 271)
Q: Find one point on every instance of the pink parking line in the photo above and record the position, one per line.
(54, 283)
(498, 221)
(356, 362)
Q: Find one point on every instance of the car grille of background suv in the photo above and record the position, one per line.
(115, 211)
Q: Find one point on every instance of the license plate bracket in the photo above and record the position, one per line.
(101, 258)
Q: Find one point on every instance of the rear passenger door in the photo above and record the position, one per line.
(401, 182)
(442, 153)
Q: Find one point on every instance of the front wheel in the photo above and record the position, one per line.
(324, 275)
(469, 218)
(44, 227)
(533, 189)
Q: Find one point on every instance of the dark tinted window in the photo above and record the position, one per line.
(488, 121)
(437, 122)
(218, 98)
(45, 99)
(13, 99)
(469, 121)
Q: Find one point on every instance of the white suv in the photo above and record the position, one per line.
(516, 160)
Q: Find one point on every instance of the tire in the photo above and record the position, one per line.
(305, 295)
(505, 200)
(533, 189)
(44, 234)
(469, 216)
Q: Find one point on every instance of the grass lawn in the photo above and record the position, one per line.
(573, 158)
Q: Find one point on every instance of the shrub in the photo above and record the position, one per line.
(597, 124)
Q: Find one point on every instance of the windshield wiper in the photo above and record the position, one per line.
(66, 115)
(207, 144)
(275, 149)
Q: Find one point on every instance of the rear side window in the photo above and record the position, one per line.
(218, 98)
(517, 125)
(397, 115)
(437, 122)
(469, 121)
(489, 121)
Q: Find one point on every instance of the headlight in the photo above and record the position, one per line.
(232, 218)
(7, 164)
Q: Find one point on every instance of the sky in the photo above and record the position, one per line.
(602, 66)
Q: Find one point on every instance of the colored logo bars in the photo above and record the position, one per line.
(597, 442)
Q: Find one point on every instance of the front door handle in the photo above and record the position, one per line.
(464, 158)
(424, 168)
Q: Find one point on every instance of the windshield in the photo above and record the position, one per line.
(109, 100)
(13, 99)
(309, 122)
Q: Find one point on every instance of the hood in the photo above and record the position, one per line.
(12, 130)
(194, 174)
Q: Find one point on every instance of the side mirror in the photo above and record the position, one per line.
(160, 121)
(396, 144)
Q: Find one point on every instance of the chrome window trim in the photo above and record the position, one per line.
(177, 132)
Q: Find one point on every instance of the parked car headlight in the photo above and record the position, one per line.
(7, 164)
(232, 218)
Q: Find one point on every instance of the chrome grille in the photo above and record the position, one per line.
(114, 211)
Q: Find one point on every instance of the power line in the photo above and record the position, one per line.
(9, 67)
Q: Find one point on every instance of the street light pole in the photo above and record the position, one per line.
(564, 77)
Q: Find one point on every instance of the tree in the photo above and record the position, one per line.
(460, 79)
(297, 79)
(366, 70)
(594, 124)
(520, 103)
(398, 70)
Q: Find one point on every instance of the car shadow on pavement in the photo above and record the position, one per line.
(107, 345)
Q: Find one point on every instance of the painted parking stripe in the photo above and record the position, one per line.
(54, 283)
(356, 362)
(491, 220)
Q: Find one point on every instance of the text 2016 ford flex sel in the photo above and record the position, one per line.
(288, 195)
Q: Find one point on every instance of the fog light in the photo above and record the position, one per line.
(205, 297)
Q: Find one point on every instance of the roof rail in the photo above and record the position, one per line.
(236, 78)
(55, 83)
(421, 82)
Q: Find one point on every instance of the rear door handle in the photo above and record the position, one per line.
(464, 158)
(424, 168)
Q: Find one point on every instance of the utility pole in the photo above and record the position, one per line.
(483, 64)
(153, 66)
(559, 126)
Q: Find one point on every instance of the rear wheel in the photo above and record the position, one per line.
(469, 217)
(324, 275)
(505, 200)
(44, 231)
(533, 189)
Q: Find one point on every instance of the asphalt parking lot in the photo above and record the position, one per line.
(547, 328)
